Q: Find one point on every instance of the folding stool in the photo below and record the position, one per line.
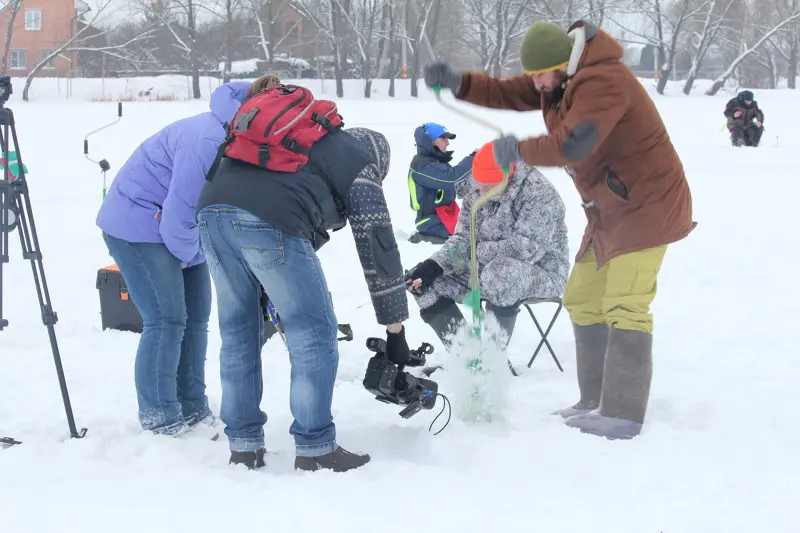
(544, 342)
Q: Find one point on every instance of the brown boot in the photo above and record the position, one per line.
(590, 355)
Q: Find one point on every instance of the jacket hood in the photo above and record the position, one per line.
(376, 146)
(592, 47)
(227, 99)
(425, 146)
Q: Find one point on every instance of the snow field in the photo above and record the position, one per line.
(718, 453)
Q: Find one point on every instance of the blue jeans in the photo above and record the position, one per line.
(175, 305)
(245, 253)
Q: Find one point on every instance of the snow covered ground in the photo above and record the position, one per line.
(719, 452)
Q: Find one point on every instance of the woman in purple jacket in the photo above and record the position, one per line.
(150, 228)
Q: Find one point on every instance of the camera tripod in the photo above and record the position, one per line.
(16, 213)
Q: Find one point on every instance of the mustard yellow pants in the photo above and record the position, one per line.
(619, 293)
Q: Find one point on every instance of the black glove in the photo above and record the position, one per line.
(441, 74)
(427, 271)
(397, 347)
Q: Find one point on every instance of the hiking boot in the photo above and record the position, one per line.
(251, 460)
(340, 460)
(590, 355)
(626, 387)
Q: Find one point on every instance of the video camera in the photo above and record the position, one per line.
(5, 89)
(390, 384)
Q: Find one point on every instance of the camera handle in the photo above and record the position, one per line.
(104, 165)
(377, 345)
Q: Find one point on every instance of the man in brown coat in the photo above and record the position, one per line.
(605, 130)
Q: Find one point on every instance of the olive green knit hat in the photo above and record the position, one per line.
(546, 47)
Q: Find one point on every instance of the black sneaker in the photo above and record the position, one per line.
(339, 460)
(251, 460)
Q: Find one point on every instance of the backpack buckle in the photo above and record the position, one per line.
(322, 121)
(263, 155)
(294, 146)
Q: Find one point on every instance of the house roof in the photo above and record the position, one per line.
(82, 7)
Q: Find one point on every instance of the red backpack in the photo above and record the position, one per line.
(276, 128)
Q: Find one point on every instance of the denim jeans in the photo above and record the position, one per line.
(242, 252)
(175, 305)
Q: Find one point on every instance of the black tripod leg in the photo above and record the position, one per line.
(30, 250)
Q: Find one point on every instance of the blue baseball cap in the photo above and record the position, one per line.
(434, 131)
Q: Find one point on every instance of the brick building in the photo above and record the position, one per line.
(41, 26)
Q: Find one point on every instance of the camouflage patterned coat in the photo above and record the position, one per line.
(522, 245)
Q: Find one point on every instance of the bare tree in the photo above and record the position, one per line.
(179, 17)
(362, 22)
(327, 16)
(76, 44)
(785, 42)
(13, 7)
(706, 36)
(749, 50)
(499, 23)
(385, 39)
(667, 22)
(266, 14)
(597, 11)
(225, 10)
(416, 21)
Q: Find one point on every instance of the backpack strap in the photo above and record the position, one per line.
(291, 144)
(325, 122)
(220, 152)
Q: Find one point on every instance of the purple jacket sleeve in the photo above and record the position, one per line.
(178, 217)
(227, 98)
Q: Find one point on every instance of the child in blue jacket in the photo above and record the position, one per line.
(432, 183)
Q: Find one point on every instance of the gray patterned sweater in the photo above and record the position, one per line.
(523, 251)
(373, 234)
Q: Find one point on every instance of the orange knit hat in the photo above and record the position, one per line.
(485, 168)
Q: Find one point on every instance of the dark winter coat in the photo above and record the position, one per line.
(606, 131)
(348, 166)
(750, 113)
(522, 245)
(432, 183)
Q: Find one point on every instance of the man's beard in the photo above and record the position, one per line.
(556, 93)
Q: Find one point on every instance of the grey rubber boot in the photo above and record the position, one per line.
(444, 317)
(626, 387)
(506, 317)
(590, 355)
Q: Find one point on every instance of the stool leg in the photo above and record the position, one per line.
(544, 334)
